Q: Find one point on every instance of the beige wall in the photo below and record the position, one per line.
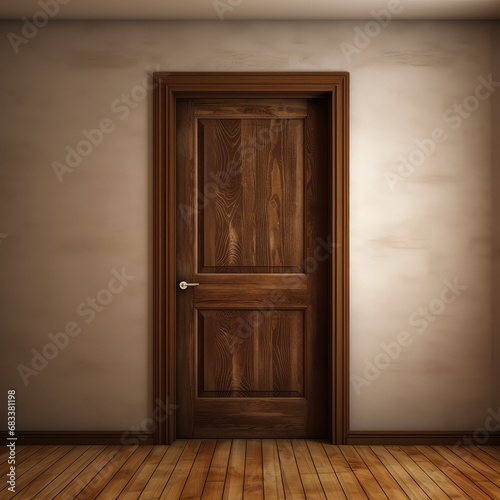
(65, 238)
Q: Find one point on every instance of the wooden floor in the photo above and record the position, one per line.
(254, 468)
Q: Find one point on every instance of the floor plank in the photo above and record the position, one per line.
(363, 474)
(181, 471)
(199, 472)
(273, 483)
(421, 478)
(6, 451)
(382, 475)
(106, 474)
(447, 468)
(214, 486)
(84, 478)
(23, 482)
(469, 470)
(24, 467)
(254, 469)
(68, 475)
(468, 456)
(327, 477)
(137, 483)
(253, 486)
(320, 458)
(235, 470)
(21, 456)
(310, 480)
(405, 481)
(156, 484)
(123, 476)
(485, 457)
(54, 471)
(292, 483)
(348, 480)
(448, 486)
(491, 450)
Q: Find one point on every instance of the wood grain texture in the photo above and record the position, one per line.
(86, 477)
(106, 474)
(28, 471)
(365, 477)
(64, 477)
(233, 487)
(409, 438)
(475, 470)
(82, 438)
(292, 483)
(248, 336)
(250, 108)
(434, 473)
(185, 241)
(253, 485)
(432, 489)
(197, 477)
(214, 485)
(251, 193)
(453, 473)
(326, 474)
(171, 89)
(21, 453)
(49, 472)
(251, 417)
(219, 187)
(310, 480)
(269, 468)
(475, 464)
(178, 478)
(491, 450)
(381, 474)
(273, 483)
(26, 458)
(262, 293)
(116, 485)
(405, 481)
(346, 476)
(246, 353)
(5, 451)
(484, 457)
(142, 475)
(163, 471)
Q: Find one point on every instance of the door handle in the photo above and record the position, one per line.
(183, 285)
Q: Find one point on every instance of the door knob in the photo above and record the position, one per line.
(183, 285)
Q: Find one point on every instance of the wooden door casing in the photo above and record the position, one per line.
(169, 89)
(252, 338)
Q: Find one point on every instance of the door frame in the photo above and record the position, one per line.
(167, 88)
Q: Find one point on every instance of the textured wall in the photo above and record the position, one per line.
(421, 224)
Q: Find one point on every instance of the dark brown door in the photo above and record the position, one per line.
(252, 222)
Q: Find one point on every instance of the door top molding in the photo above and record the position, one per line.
(262, 81)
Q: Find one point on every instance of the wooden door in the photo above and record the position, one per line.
(252, 230)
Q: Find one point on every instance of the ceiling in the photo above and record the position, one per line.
(253, 9)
